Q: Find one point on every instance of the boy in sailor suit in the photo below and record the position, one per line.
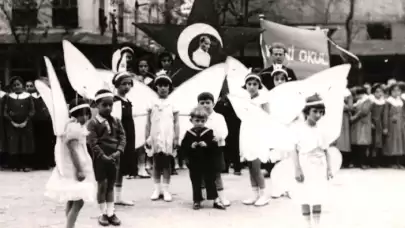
(201, 153)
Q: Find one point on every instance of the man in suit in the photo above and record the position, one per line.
(277, 52)
(201, 56)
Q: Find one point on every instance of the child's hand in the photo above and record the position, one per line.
(107, 158)
(329, 174)
(115, 155)
(385, 131)
(175, 143)
(202, 144)
(194, 145)
(80, 176)
(299, 176)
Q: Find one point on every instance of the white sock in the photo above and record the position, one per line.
(103, 208)
(110, 209)
(118, 191)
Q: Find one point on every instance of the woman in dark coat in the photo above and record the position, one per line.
(19, 110)
(43, 132)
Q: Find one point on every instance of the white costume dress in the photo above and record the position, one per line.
(63, 185)
(312, 158)
(254, 144)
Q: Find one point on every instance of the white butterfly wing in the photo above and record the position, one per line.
(60, 109)
(106, 76)
(255, 127)
(209, 80)
(236, 73)
(185, 97)
(46, 95)
(81, 73)
(141, 97)
(286, 102)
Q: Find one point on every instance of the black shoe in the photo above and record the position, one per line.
(174, 172)
(103, 220)
(113, 220)
(196, 206)
(237, 173)
(219, 206)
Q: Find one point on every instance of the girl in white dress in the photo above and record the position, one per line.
(73, 180)
(252, 149)
(312, 163)
(162, 137)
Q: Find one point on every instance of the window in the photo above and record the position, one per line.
(65, 13)
(25, 13)
(24, 66)
(379, 31)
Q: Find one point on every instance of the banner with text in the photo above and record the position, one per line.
(307, 50)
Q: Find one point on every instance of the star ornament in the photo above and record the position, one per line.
(202, 42)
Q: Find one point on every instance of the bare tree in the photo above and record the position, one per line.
(349, 24)
(22, 28)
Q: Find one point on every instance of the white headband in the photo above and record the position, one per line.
(163, 76)
(79, 107)
(122, 74)
(249, 76)
(312, 103)
(127, 49)
(98, 97)
(279, 70)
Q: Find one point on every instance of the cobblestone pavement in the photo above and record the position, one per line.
(371, 198)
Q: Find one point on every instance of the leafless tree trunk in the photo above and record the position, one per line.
(349, 24)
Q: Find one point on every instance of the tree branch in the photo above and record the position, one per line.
(349, 24)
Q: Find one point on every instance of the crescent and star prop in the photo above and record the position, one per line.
(203, 20)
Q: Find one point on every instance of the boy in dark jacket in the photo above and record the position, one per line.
(107, 141)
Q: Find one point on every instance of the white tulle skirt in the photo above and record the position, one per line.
(313, 189)
(64, 189)
(254, 142)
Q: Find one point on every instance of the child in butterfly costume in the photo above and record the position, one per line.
(162, 136)
(254, 150)
(72, 180)
(122, 110)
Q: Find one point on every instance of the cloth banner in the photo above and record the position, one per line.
(307, 50)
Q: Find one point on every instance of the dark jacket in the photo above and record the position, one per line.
(101, 141)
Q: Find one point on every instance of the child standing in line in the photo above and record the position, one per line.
(201, 152)
(377, 109)
(216, 122)
(393, 127)
(251, 150)
(312, 162)
(361, 127)
(122, 110)
(107, 142)
(162, 137)
(73, 180)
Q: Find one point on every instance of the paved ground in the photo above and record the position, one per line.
(372, 198)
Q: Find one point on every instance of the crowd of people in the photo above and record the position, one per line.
(373, 130)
